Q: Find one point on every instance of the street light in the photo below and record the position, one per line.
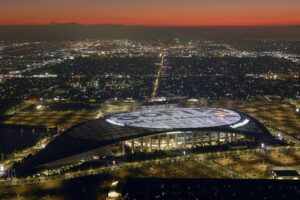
(279, 136)
(114, 194)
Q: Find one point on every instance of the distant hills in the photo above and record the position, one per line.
(73, 31)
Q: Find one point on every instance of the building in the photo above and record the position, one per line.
(150, 130)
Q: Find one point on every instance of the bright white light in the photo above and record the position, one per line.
(113, 122)
(263, 145)
(38, 107)
(99, 115)
(279, 136)
(114, 194)
(174, 132)
(297, 110)
(1, 168)
(193, 100)
(170, 118)
(243, 123)
(114, 184)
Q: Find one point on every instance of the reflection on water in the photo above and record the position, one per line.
(94, 187)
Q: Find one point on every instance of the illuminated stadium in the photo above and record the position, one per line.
(150, 130)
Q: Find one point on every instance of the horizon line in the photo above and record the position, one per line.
(150, 25)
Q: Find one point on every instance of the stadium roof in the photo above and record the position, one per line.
(101, 132)
(176, 118)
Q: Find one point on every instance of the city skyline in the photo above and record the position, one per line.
(154, 13)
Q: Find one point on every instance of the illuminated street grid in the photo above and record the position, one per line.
(255, 165)
(249, 164)
(188, 169)
(275, 114)
(62, 119)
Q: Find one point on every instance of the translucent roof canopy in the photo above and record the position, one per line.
(174, 118)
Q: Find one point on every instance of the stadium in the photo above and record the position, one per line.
(150, 130)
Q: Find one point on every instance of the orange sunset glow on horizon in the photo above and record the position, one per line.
(152, 13)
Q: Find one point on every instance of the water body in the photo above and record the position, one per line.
(15, 137)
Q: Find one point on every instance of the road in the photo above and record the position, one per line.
(159, 72)
(203, 157)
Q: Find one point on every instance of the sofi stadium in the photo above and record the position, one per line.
(150, 130)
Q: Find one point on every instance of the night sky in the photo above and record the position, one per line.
(151, 12)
